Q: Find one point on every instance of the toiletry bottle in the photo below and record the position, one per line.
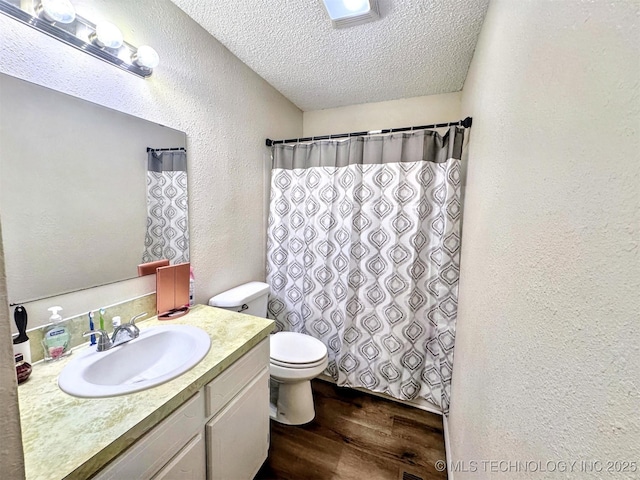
(23, 369)
(57, 339)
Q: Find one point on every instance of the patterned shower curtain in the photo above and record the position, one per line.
(363, 254)
(167, 208)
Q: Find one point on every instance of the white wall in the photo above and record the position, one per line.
(200, 88)
(548, 345)
(405, 112)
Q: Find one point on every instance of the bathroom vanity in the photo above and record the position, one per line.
(211, 422)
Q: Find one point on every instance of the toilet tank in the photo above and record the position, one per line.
(250, 298)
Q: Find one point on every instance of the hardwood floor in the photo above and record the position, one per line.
(356, 436)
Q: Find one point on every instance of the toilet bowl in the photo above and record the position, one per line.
(295, 358)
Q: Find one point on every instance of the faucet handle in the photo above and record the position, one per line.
(140, 315)
(104, 342)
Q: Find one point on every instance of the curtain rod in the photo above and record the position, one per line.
(466, 123)
(176, 149)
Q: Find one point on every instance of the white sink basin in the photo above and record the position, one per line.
(158, 355)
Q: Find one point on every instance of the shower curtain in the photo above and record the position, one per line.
(167, 209)
(363, 253)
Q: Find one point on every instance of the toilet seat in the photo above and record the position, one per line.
(297, 365)
(296, 350)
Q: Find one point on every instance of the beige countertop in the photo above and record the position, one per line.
(69, 437)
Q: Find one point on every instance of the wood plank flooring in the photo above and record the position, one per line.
(356, 436)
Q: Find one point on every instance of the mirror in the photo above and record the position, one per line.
(73, 190)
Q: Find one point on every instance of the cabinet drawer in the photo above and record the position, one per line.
(189, 464)
(153, 451)
(227, 385)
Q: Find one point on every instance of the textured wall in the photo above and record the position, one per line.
(200, 88)
(11, 458)
(391, 114)
(548, 346)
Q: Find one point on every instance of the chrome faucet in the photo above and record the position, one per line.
(121, 334)
(104, 342)
(127, 331)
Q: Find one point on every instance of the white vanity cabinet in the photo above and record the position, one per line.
(221, 433)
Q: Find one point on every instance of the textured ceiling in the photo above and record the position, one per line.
(417, 47)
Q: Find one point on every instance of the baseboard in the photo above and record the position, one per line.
(421, 405)
(447, 446)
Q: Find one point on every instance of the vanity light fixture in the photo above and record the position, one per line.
(348, 13)
(58, 19)
(146, 57)
(107, 35)
(56, 11)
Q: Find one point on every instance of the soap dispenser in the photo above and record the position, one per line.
(57, 339)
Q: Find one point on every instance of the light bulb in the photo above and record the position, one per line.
(107, 35)
(354, 5)
(57, 11)
(146, 57)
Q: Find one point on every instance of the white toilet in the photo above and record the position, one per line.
(295, 358)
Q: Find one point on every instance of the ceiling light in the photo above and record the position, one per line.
(355, 5)
(146, 57)
(57, 11)
(347, 13)
(107, 35)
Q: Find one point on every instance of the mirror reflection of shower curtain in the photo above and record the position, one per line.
(363, 253)
(167, 207)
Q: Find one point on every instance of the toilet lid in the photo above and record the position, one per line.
(296, 348)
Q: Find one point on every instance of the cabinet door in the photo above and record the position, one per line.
(188, 464)
(238, 437)
(230, 382)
